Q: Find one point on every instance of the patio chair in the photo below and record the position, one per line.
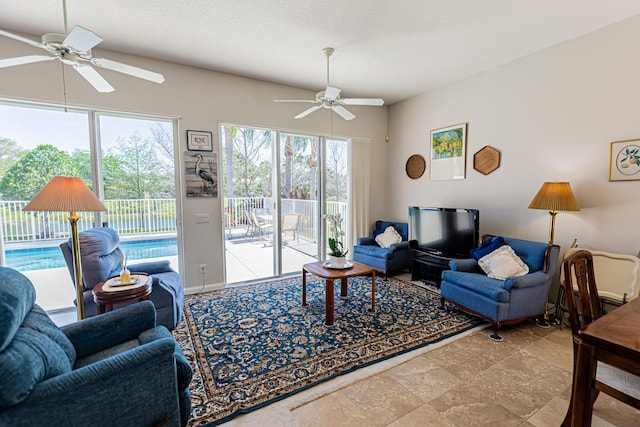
(260, 226)
(290, 223)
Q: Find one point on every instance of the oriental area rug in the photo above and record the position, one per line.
(252, 345)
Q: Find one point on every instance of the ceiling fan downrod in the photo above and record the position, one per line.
(328, 51)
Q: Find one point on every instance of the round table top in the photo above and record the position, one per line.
(111, 291)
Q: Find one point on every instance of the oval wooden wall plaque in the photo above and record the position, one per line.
(416, 166)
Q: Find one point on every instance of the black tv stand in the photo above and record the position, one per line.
(428, 266)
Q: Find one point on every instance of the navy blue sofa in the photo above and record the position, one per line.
(117, 369)
(397, 257)
(511, 300)
(100, 261)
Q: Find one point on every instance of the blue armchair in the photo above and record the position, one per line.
(507, 301)
(100, 261)
(385, 260)
(118, 369)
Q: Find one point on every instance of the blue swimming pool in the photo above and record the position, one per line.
(51, 257)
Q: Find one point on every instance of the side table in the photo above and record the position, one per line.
(108, 293)
(329, 275)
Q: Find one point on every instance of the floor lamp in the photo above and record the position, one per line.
(554, 197)
(68, 194)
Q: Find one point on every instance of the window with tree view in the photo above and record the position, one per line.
(132, 156)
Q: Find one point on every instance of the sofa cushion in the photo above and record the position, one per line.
(39, 350)
(388, 238)
(478, 283)
(478, 253)
(17, 296)
(98, 256)
(502, 263)
(374, 251)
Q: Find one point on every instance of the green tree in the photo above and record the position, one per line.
(131, 171)
(10, 153)
(26, 177)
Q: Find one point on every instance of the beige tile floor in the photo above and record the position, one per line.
(471, 381)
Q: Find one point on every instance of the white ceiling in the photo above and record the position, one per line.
(392, 49)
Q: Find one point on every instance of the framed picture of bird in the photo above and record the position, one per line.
(199, 140)
(201, 174)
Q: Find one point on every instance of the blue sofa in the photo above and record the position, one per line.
(398, 256)
(100, 261)
(118, 369)
(511, 300)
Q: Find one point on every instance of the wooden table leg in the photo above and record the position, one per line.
(373, 292)
(328, 302)
(583, 390)
(343, 287)
(304, 287)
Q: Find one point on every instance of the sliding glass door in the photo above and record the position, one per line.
(274, 187)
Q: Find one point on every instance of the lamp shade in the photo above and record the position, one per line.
(555, 196)
(65, 194)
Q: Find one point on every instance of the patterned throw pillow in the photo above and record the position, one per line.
(503, 263)
(388, 238)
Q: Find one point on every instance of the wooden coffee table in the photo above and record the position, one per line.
(106, 295)
(332, 274)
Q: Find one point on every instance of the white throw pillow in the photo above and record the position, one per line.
(388, 238)
(503, 263)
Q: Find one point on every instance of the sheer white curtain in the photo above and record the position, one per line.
(359, 189)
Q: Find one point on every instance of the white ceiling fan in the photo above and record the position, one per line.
(330, 98)
(75, 49)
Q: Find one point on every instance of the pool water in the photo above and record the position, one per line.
(51, 256)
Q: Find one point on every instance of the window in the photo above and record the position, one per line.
(128, 163)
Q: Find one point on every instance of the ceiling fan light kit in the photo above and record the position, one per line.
(330, 98)
(74, 49)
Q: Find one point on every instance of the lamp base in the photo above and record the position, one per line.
(77, 266)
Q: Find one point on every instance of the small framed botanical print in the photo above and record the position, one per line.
(198, 140)
(624, 160)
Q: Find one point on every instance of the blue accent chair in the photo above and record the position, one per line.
(100, 261)
(118, 369)
(385, 260)
(508, 301)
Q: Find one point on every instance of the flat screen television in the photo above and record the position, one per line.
(446, 232)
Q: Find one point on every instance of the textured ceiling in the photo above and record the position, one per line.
(392, 49)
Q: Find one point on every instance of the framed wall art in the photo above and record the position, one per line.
(624, 160)
(198, 140)
(201, 174)
(448, 148)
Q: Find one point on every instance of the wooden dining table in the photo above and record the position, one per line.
(613, 339)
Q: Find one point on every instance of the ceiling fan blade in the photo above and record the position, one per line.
(82, 39)
(308, 111)
(343, 112)
(94, 79)
(10, 62)
(332, 93)
(128, 69)
(22, 39)
(362, 101)
(296, 100)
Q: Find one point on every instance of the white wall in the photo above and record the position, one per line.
(553, 116)
(202, 99)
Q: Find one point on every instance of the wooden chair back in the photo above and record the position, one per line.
(579, 267)
(579, 274)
